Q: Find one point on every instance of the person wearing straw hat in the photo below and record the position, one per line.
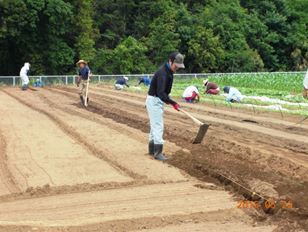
(121, 83)
(210, 87)
(83, 78)
(158, 95)
(305, 83)
(24, 76)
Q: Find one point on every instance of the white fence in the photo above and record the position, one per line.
(70, 79)
(63, 79)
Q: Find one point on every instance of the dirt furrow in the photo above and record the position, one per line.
(7, 182)
(76, 136)
(126, 204)
(195, 222)
(43, 155)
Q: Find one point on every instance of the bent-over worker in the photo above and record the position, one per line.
(145, 80)
(233, 94)
(191, 94)
(121, 83)
(210, 87)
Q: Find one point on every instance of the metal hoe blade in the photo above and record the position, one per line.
(201, 133)
(31, 88)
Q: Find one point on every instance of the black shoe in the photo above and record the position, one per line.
(151, 148)
(158, 152)
(24, 87)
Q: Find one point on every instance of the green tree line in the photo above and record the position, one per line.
(135, 36)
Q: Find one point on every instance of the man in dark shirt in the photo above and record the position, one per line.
(158, 94)
(120, 83)
(83, 78)
(145, 80)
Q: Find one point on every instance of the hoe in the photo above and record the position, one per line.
(202, 128)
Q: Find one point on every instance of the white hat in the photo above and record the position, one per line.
(205, 81)
(126, 78)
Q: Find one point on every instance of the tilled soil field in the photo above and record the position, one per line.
(69, 168)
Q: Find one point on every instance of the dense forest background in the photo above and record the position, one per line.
(135, 36)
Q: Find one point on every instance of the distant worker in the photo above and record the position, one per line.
(83, 78)
(38, 83)
(233, 94)
(145, 80)
(24, 72)
(191, 94)
(210, 87)
(305, 82)
(158, 94)
(121, 83)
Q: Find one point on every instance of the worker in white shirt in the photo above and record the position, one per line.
(233, 94)
(24, 72)
(191, 94)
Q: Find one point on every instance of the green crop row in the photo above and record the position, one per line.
(278, 82)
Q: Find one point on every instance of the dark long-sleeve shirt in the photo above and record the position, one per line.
(122, 81)
(145, 80)
(161, 84)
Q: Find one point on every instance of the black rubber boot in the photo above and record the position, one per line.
(151, 147)
(24, 87)
(81, 99)
(158, 152)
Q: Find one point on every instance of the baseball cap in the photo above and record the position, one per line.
(178, 59)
